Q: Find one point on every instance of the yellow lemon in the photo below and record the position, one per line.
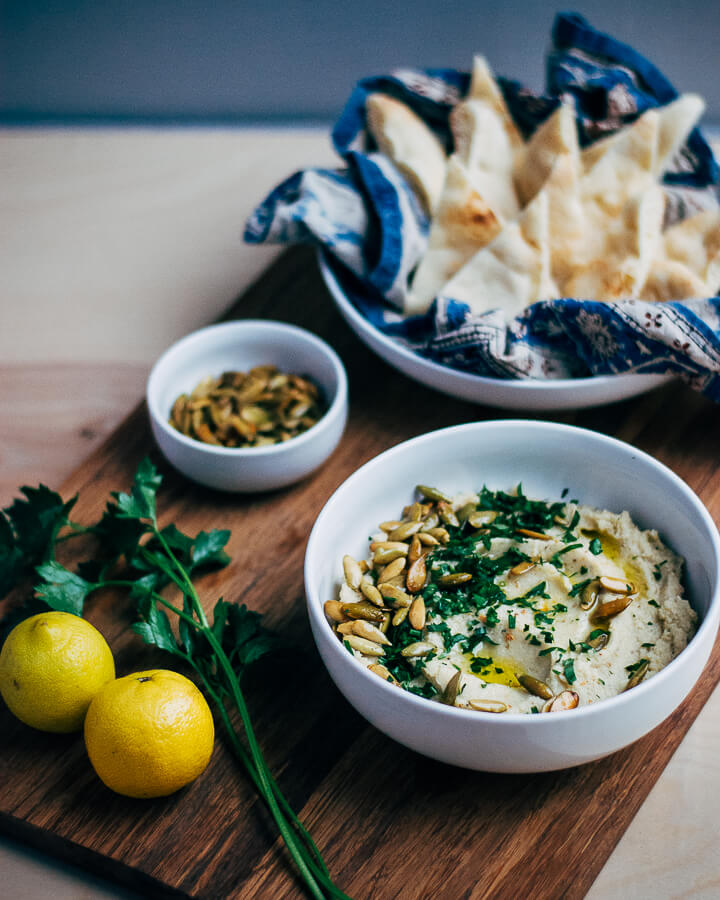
(51, 666)
(149, 734)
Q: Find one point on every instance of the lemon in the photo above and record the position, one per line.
(51, 666)
(149, 734)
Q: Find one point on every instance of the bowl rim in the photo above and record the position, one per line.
(709, 622)
(531, 386)
(335, 407)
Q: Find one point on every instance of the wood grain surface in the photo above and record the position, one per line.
(390, 823)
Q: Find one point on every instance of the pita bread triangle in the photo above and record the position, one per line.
(511, 272)
(483, 86)
(557, 135)
(463, 223)
(414, 148)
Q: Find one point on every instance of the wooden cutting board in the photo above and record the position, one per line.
(390, 823)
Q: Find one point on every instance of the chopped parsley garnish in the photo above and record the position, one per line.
(595, 547)
(511, 621)
(657, 574)
(579, 587)
(569, 671)
(654, 603)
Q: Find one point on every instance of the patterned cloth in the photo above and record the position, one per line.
(373, 231)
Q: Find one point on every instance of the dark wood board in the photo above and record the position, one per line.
(390, 822)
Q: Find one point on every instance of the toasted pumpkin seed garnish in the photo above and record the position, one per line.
(363, 609)
(236, 409)
(447, 515)
(564, 700)
(466, 511)
(588, 597)
(616, 585)
(416, 614)
(368, 648)
(353, 572)
(534, 686)
(368, 590)
(431, 521)
(405, 530)
(610, 608)
(416, 549)
(454, 579)
(452, 689)
(441, 534)
(396, 594)
(638, 673)
(391, 570)
(399, 616)
(333, 610)
(419, 648)
(537, 535)
(521, 568)
(369, 631)
(431, 493)
(390, 545)
(427, 539)
(599, 640)
(481, 518)
(417, 573)
(489, 706)
(345, 627)
(383, 557)
(380, 670)
(390, 525)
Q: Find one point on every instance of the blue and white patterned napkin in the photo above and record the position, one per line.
(373, 232)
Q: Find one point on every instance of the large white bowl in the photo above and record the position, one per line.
(546, 458)
(239, 346)
(507, 393)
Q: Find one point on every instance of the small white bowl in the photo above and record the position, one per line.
(546, 458)
(238, 346)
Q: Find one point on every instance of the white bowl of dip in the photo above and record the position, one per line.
(547, 459)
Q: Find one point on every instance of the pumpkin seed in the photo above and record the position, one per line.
(396, 594)
(466, 511)
(369, 590)
(416, 614)
(537, 535)
(490, 706)
(616, 585)
(369, 631)
(441, 534)
(482, 517)
(389, 545)
(368, 648)
(419, 648)
(611, 608)
(452, 689)
(564, 700)
(599, 641)
(427, 539)
(382, 672)
(345, 627)
(353, 572)
(406, 530)
(534, 686)
(588, 598)
(521, 568)
(416, 575)
(390, 525)
(383, 557)
(431, 493)
(400, 616)
(447, 515)
(431, 521)
(455, 579)
(363, 609)
(333, 610)
(416, 549)
(638, 674)
(391, 570)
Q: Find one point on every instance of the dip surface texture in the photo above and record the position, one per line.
(524, 604)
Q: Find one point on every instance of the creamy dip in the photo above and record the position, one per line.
(524, 605)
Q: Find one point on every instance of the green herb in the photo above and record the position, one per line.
(511, 620)
(219, 649)
(580, 586)
(632, 668)
(569, 671)
(657, 574)
(595, 547)
(654, 603)
(647, 645)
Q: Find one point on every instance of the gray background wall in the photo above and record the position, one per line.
(274, 60)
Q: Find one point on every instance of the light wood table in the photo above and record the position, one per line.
(112, 244)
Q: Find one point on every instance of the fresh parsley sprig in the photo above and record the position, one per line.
(219, 649)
